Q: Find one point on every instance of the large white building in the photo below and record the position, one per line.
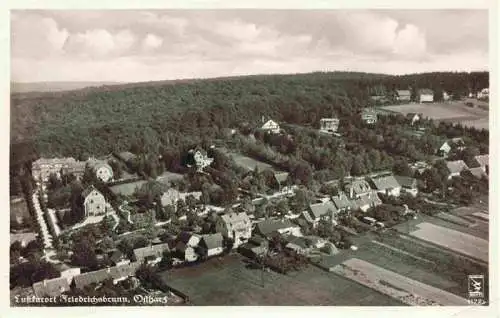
(236, 226)
(271, 126)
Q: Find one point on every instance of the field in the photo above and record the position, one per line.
(454, 240)
(406, 290)
(230, 282)
(456, 112)
(247, 162)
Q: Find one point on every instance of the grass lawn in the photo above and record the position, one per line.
(229, 282)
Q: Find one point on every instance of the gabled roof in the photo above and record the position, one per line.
(211, 241)
(51, 287)
(268, 124)
(483, 160)
(152, 250)
(359, 186)
(385, 182)
(281, 176)
(88, 190)
(478, 172)
(98, 276)
(320, 209)
(407, 182)
(370, 199)
(268, 226)
(425, 91)
(236, 220)
(341, 201)
(456, 166)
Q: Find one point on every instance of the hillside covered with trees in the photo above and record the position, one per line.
(159, 116)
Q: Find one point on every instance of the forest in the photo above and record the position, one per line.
(161, 117)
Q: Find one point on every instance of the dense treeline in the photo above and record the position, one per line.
(165, 117)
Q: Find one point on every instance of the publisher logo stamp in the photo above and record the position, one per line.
(475, 286)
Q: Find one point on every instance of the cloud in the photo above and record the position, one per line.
(36, 36)
(410, 42)
(99, 43)
(128, 45)
(151, 42)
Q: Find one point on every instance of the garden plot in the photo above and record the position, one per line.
(404, 289)
(453, 240)
(454, 219)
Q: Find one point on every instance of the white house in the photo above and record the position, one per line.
(329, 125)
(271, 126)
(386, 184)
(408, 185)
(236, 226)
(94, 202)
(484, 93)
(426, 95)
(102, 169)
(403, 95)
(455, 168)
(320, 211)
(483, 161)
(187, 244)
(211, 245)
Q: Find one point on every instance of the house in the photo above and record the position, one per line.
(281, 178)
(42, 168)
(118, 258)
(426, 95)
(23, 238)
(356, 188)
(150, 254)
(455, 168)
(419, 166)
(200, 158)
(484, 93)
(366, 201)
(386, 184)
(484, 162)
(101, 168)
(255, 247)
(403, 95)
(478, 172)
(298, 244)
(341, 202)
(67, 271)
(94, 202)
(171, 196)
(414, 117)
(408, 185)
(116, 273)
(329, 125)
(236, 226)
(270, 126)
(320, 211)
(446, 96)
(186, 246)
(51, 287)
(211, 245)
(369, 116)
(267, 227)
(451, 144)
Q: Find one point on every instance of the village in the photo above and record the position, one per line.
(103, 224)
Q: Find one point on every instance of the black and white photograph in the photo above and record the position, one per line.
(249, 157)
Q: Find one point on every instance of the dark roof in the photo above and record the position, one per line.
(152, 250)
(341, 201)
(98, 276)
(126, 156)
(320, 209)
(268, 226)
(425, 91)
(385, 182)
(212, 240)
(299, 241)
(407, 182)
(51, 287)
(88, 190)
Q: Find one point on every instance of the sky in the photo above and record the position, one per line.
(134, 46)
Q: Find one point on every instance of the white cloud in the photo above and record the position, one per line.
(410, 42)
(151, 42)
(35, 35)
(99, 43)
